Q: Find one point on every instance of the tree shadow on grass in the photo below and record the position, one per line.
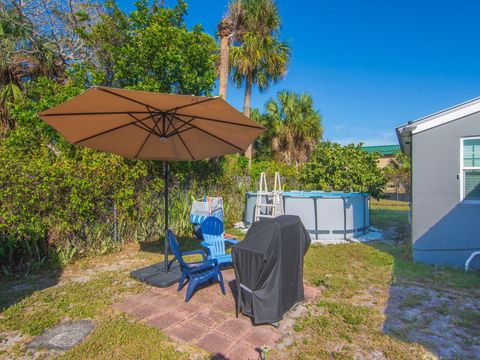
(15, 289)
(432, 306)
(428, 305)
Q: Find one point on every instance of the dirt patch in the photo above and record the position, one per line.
(84, 271)
(287, 326)
(9, 339)
(444, 322)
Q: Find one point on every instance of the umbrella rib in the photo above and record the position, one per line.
(225, 122)
(156, 126)
(110, 130)
(145, 141)
(192, 104)
(95, 113)
(183, 142)
(146, 128)
(163, 124)
(183, 125)
(170, 120)
(143, 144)
(209, 133)
(155, 120)
(178, 131)
(128, 98)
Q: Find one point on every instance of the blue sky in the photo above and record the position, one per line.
(369, 65)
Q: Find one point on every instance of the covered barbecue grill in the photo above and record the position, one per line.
(269, 268)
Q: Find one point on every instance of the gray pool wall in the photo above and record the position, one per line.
(325, 215)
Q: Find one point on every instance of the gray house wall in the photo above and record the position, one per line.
(444, 230)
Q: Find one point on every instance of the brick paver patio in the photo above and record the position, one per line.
(207, 320)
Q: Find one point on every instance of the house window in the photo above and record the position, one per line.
(470, 172)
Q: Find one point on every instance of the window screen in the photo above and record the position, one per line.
(472, 184)
(471, 152)
(471, 169)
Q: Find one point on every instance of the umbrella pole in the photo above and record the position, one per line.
(165, 178)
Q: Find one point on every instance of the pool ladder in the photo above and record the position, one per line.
(273, 208)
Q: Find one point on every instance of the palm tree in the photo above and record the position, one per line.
(23, 57)
(260, 58)
(225, 31)
(261, 61)
(294, 126)
(10, 73)
(230, 29)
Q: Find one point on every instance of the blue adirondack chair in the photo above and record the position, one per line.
(197, 272)
(214, 240)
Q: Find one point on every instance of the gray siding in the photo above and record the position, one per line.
(444, 231)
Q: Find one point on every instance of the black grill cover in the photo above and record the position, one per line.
(269, 268)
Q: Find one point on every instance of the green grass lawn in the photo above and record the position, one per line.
(117, 336)
(356, 279)
(388, 204)
(120, 337)
(345, 321)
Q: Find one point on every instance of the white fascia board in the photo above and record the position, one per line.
(446, 116)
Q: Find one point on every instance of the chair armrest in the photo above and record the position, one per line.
(231, 241)
(195, 252)
(206, 264)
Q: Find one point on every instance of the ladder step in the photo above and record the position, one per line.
(266, 205)
(266, 216)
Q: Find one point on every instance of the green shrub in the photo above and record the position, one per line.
(59, 201)
(343, 168)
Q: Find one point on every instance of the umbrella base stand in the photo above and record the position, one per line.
(156, 276)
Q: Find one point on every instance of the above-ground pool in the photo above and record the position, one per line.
(326, 215)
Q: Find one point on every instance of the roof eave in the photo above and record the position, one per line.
(406, 131)
(404, 135)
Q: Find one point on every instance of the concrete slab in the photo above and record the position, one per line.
(63, 336)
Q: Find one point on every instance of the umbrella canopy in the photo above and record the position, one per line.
(154, 126)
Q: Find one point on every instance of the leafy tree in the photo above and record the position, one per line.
(54, 193)
(50, 28)
(398, 172)
(58, 198)
(259, 58)
(263, 144)
(293, 125)
(152, 49)
(38, 38)
(270, 167)
(334, 167)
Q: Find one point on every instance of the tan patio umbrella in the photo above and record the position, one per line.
(153, 126)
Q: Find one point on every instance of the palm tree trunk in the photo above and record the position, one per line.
(225, 29)
(223, 70)
(246, 112)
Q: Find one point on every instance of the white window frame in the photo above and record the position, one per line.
(462, 170)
